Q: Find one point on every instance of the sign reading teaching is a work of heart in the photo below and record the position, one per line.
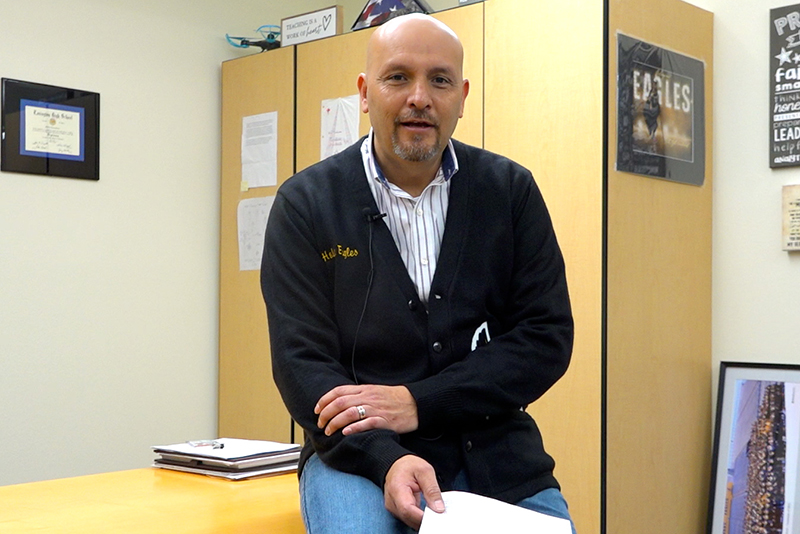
(311, 26)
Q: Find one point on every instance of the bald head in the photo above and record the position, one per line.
(414, 28)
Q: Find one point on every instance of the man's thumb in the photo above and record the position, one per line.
(433, 496)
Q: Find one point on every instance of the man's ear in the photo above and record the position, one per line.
(362, 92)
(465, 92)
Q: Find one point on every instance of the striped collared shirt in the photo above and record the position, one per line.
(416, 224)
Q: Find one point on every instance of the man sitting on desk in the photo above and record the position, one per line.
(417, 303)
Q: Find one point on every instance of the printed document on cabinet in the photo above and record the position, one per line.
(252, 215)
(260, 150)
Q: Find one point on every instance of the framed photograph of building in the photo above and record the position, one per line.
(754, 479)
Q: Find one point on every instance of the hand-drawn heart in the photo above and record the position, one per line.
(325, 21)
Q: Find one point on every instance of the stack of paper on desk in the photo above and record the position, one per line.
(230, 458)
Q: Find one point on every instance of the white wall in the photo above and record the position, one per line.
(756, 286)
(108, 290)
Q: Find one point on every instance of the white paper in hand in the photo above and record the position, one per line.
(468, 513)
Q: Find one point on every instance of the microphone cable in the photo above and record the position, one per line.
(371, 219)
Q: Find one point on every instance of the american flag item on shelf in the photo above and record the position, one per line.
(377, 12)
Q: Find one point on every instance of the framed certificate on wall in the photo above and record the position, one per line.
(50, 130)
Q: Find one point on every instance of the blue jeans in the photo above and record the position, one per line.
(335, 502)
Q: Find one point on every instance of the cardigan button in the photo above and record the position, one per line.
(437, 347)
(412, 305)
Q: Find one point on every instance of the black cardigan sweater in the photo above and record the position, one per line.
(499, 264)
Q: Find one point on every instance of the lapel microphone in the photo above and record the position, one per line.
(372, 217)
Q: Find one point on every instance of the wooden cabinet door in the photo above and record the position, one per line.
(249, 403)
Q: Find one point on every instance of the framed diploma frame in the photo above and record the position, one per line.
(50, 130)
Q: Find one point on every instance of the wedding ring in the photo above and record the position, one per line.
(362, 413)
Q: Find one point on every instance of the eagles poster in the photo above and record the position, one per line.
(660, 112)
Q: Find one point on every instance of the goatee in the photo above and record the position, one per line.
(416, 150)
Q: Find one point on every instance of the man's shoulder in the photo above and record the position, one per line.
(349, 156)
(476, 156)
(330, 173)
(489, 167)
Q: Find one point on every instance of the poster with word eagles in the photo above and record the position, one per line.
(784, 71)
(660, 112)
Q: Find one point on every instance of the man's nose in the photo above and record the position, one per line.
(420, 95)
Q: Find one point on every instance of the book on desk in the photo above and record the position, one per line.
(230, 458)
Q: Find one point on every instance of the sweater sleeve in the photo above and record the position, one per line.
(304, 338)
(531, 337)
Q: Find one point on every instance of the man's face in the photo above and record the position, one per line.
(413, 90)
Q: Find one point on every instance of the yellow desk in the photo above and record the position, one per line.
(152, 501)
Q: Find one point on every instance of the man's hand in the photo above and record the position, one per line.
(408, 479)
(389, 407)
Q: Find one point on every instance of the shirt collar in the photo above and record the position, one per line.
(448, 168)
